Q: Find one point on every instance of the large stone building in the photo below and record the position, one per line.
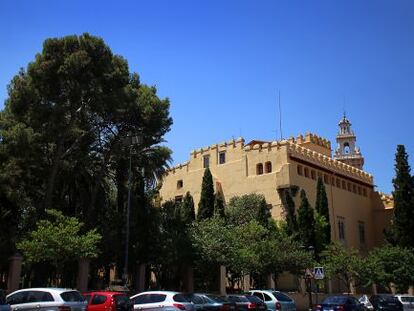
(358, 213)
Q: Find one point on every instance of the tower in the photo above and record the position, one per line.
(346, 151)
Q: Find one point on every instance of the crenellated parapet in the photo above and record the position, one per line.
(329, 163)
(387, 199)
(232, 144)
(178, 168)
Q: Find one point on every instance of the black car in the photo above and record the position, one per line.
(247, 302)
(210, 302)
(386, 302)
(340, 303)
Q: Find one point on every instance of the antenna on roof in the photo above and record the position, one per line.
(280, 119)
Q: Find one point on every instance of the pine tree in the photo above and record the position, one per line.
(306, 221)
(402, 227)
(206, 204)
(187, 209)
(291, 220)
(322, 208)
(218, 204)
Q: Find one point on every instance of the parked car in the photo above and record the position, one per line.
(386, 302)
(40, 299)
(107, 301)
(210, 302)
(365, 301)
(247, 302)
(3, 305)
(274, 300)
(407, 302)
(340, 303)
(161, 300)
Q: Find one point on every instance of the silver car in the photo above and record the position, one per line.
(161, 300)
(274, 300)
(407, 302)
(46, 299)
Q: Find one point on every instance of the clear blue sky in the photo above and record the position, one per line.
(221, 63)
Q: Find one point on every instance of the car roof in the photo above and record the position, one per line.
(161, 292)
(45, 289)
(103, 292)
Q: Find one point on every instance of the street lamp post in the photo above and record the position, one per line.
(131, 141)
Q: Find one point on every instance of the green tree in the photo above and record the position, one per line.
(219, 204)
(59, 240)
(322, 208)
(206, 204)
(347, 265)
(402, 225)
(392, 264)
(243, 209)
(291, 219)
(187, 209)
(306, 222)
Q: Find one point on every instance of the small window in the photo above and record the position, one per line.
(268, 166)
(361, 231)
(313, 174)
(359, 190)
(38, 296)
(98, 299)
(300, 170)
(267, 297)
(179, 298)
(319, 175)
(17, 298)
(344, 185)
(364, 192)
(222, 157)
(142, 299)
(180, 184)
(349, 186)
(206, 161)
(156, 298)
(72, 296)
(326, 179)
(259, 295)
(306, 172)
(178, 199)
(259, 169)
(341, 228)
(354, 188)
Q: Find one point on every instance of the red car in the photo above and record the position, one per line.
(107, 301)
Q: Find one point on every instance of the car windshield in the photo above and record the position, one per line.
(216, 298)
(72, 296)
(335, 300)
(407, 298)
(281, 297)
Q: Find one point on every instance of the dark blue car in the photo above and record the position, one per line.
(340, 303)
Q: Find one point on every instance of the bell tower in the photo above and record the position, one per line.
(346, 151)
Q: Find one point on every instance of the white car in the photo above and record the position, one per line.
(161, 300)
(407, 301)
(46, 299)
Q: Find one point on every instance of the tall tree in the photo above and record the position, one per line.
(323, 227)
(402, 226)
(219, 204)
(242, 209)
(306, 221)
(206, 204)
(291, 219)
(187, 209)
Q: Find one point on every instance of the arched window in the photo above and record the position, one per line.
(346, 148)
(300, 170)
(268, 167)
(259, 169)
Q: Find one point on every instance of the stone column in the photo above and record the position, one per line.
(189, 279)
(393, 288)
(83, 274)
(15, 270)
(222, 287)
(270, 282)
(411, 290)
(330, 291)
(374, 289)
(140, 277)
(352, 287)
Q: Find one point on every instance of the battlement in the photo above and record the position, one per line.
(234, 143)
(179, 167)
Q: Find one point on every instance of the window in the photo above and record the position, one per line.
(142, 299)
(341, 228)
(361, 231)
(206, 161)
(359, 190)
(344, 185)
(326, 179)
(178, 199)
(259, 295)
(349, 186)
(306, 172)
(313, 174)
(259, 169)
(222, 157)
(179, 298)
(180, 184)
(267, 297)
(72, 296)
(98, 299)
(268, 166)
(300, 170)
(38, 296)
(364, 192)
(17, 298)
(354, 188)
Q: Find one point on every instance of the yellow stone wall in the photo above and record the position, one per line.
(238, 175)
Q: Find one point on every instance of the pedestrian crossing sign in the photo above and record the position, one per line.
(318, 273)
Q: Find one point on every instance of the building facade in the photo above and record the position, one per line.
(358, 213)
